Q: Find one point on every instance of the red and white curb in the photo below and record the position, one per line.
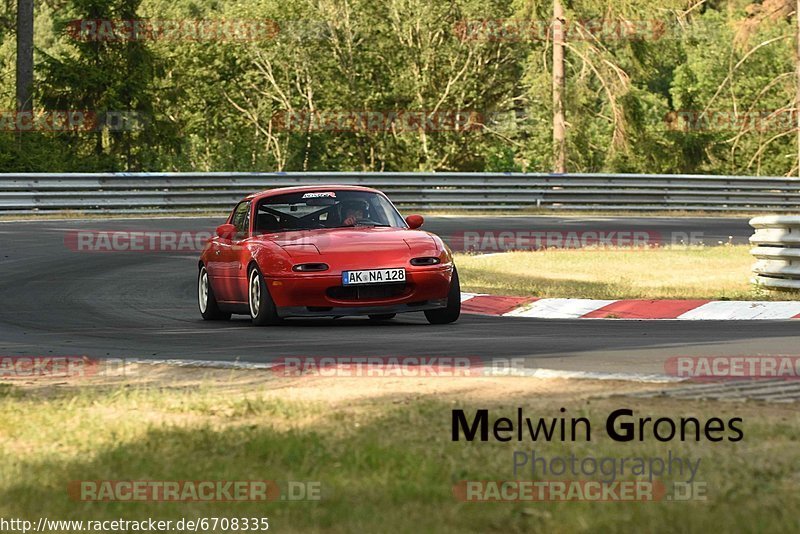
(682, 310)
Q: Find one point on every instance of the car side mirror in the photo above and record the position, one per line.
(414, 221)
(226, 231)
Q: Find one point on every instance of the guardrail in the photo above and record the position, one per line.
(187, 192)
(777, 251)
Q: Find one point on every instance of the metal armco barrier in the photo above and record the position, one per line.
(777, 250)
(509, 192)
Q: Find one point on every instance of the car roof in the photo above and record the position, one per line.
(299, 189)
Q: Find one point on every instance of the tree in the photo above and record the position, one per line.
(24, 55)
(108, 77)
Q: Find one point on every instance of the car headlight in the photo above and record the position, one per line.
(425, 260)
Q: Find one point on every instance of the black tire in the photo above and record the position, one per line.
(382, 316)
(260, 303)
(451, 312)
(206, 301)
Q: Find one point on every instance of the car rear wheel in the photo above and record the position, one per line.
(209, 308)
(262, 307)
(451, 312)
(382, 316)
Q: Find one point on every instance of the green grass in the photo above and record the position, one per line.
(719, 273)
(383, 466)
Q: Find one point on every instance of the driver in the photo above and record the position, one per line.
(353, 211)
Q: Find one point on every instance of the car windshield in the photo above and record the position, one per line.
(325, 208)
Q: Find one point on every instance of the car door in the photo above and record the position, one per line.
(231, 273)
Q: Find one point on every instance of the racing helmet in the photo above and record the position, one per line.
(353, 205)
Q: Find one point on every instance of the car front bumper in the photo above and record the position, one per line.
(304, 311)
(316, 295)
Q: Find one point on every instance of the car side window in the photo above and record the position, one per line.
(241, 219)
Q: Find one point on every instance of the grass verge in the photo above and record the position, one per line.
(380, 449)
(718, 273)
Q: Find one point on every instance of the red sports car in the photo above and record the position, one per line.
(325, 251)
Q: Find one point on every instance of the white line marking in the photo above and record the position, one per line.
(588, 375)
(559, 308)
(218, 364)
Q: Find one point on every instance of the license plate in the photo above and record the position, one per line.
(373, 276)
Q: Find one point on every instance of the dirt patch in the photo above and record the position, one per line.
(336, 390)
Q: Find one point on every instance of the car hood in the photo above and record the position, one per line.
(356, 240)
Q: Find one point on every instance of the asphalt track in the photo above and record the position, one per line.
(59, 302)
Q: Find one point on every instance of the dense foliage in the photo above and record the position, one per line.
(683, 86)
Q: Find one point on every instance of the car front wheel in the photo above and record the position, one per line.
(452, 311)
(262, 307)
(209, 308)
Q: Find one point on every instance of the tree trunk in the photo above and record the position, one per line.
(797, 84)
(24, 55)
(559, 126)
